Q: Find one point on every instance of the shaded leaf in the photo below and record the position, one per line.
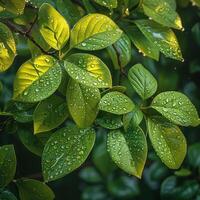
(6, 195)
(32, 189)
(49, 114)
(107, 3)
(7, 164)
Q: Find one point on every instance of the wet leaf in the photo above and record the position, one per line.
(7, 47)
(37, 79)
(142, 81)
(88, 70)
(146, 47)
(120, 52)
(177, 108)
(162, 37)
(53, 27)
(107, 3)
(162, 12)
(128, 150)
(94, 32)
(13, 6)
(7, 164)
(66, 150)
(32, 189)
(82, 103)
(116, 103)
(133, 118)
(168, 141)
(110, 121)
(49, 114)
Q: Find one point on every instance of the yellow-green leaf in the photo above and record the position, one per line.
(82, 103)
(177, 108)
(88, 70)
(94, 32)
(37, 79)
(7, 47)
(53, 26)
(167, 140)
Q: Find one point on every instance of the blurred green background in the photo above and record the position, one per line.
(99, 178)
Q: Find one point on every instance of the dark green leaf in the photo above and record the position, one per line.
(49, 114)
(6, 195)
(30, 189)
(194, 155)
(7, 164)
(66, 150)
(107, 3)
(168, 141)
(142, 81)
(116, 103)
(128, 150)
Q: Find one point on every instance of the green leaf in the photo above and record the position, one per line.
(53, 27)
(7, 164)
(142, 81)
(30, 141)
(196, 2)
(194, 155)
(120, 52)
(94, 32)
(88, 70)
(172, 3)
(116, 103)
(1, 88)
(32, 189)
(6, 195)
(168, 141)
(183, 172)
(38, 3)
(162, 12)
(110, 121)
(162, 37)
(82, 103)
(128, 150)
(107, 3)
(146, 47)
(69, 10)
(7, 47)
(49, 114)
(66, 150)
(37, 79)
(13, 6)
(133, 118)
(177, 108)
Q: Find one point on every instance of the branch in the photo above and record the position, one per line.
(26, 34)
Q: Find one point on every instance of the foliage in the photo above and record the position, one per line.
(79, 84)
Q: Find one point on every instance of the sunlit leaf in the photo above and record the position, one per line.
(94, 32)
(37, 79)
